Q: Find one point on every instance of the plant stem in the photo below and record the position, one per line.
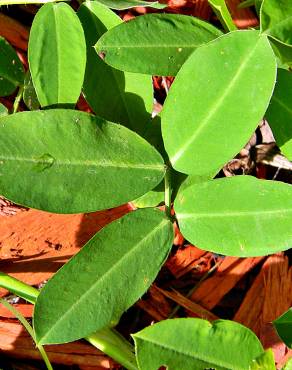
(44, 356)
(19, 288)
(18, 96)
(222, 12)
(167, 192)
(29, 329)
(114, 345)
(107, 340)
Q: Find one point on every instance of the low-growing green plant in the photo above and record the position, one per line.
(61, 160)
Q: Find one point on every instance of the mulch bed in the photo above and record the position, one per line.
(192, 283)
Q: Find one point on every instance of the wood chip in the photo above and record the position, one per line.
(243, 18)
(194, 309)
(15, 342)
(269, 297)
(184, 260)
(231, 270)
(25, 309)
(155, 304)
(14, 32)
(35, 244)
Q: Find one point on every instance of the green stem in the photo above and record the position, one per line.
(220, 9)
(167, 192)
(18, 97)
(44, 356)
(19, 2)
(29, 329)
(114, 345)
(107, 340)
(19, 288)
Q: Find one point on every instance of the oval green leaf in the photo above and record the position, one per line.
(186, 344)
(57, 54)
(104, 279)
(11, 69)
(202, 121)
(155, 44)
(237, 216)
(67, 161)
(279, 113)
(276, 19)
(264, 361)
(283, 325)
(117, 96)
(127, 4)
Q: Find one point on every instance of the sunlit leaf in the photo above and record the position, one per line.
(105, 278)
(237, 216)
(156, 44)
(67, 161)
(203, 126)
(120, 97)
(186, 344)
(57, 54)
(265, 361)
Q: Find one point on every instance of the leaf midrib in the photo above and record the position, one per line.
(85, 163)
(232, 213)
(57, 39)
(103, 277)
(156, 46)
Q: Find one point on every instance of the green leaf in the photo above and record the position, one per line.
(283, 325)
(3, 110)
(120, 97)
(127, 4)
(237, 216)
(184, 344)
(202, 121)
(57, 55)
(67, 161)
(276, 19)
(11, 69)
(265, 361)
(279, 113)
(29, 95)
(104, 279)
(155, 44)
